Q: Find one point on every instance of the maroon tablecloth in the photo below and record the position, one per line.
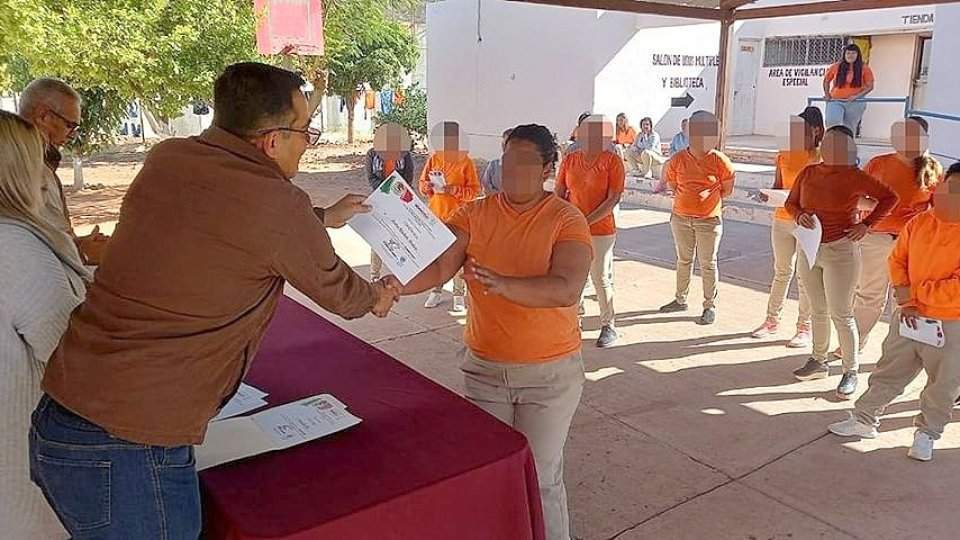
(424, 463)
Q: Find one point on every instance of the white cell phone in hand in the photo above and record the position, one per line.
(928, 332)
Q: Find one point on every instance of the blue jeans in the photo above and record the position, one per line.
(105, 488)
(846, 113)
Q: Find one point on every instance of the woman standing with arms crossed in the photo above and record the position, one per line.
(912, 173)
(41, 281)
(828, 195)
(845, 82)
(523, 363)
(806, 132)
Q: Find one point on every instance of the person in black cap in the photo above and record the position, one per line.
(806, 132)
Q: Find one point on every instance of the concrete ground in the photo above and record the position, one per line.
(702, 433)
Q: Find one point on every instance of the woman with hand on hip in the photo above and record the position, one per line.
(827, 195)
(42, 280)
(844, 83)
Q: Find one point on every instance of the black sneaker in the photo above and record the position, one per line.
(709, 317)
(673, 307)
(608, 337)
(848, 385)
(811, 370)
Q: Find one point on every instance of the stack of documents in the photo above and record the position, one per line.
(273, 429)
(247, 398)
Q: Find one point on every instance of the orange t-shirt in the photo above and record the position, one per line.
(902, 179)
(926, 258)
(847, 91)
(588, 185)
(519, 245)
(690, 179)
(833, 194)
(463, 184)
(389, 166)
(791, 163)
(626, 137)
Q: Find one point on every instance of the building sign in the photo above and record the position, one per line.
(797, 76)
(289, 25)
(683, 60)
(923, 18)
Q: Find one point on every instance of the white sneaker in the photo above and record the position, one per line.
(922, 449)
(434, 300)
(853, 427)
(459, 304)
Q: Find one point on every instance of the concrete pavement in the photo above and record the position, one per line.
(694, 433)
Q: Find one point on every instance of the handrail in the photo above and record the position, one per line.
(940, 116)
(905, 100)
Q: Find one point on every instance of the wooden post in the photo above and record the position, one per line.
(722, 107)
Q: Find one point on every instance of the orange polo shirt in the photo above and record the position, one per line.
(463, 184)
(791, 163)
(926, 258)
(691, 179)
(902, 179)
(627, 136)
(589, 184)
(833, 195)
(849, 90)
(519, 245)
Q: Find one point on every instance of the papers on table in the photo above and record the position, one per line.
(809, 240)
(929, 331)
(776, 197)
(247, 398)
(402, 230)
(273, 429)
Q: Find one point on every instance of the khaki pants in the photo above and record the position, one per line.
(601, 274)
(784, 265)
(459, 285)
(538, 400)
(376, 266)
(901, 362)
(831, 285)
(873, 289)
(700, 237)
(646, 162)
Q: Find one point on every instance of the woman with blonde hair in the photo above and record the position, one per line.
(41, 281)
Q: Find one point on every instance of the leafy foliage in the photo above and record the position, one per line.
(411, 114)
(103, 110)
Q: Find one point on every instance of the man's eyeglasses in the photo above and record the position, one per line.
(72, 126)
(312, 135)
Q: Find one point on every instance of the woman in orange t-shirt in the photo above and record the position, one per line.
(449, 180)
(844, 83)
(913, 174)
(527, 254)
(806, 132)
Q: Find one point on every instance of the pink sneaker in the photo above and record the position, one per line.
(768, 328)
(803, 338)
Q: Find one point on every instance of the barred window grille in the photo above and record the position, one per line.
(802, 51)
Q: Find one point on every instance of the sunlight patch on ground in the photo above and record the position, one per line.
(714, 412)
(602, 373)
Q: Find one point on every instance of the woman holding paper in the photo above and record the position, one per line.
(826, 197)
(523, 363)
(925, 271)
(449, 180)
(806, 132)
(912, 173)
(41, 281)
(390, 153)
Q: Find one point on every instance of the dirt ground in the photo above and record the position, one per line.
(327, 172)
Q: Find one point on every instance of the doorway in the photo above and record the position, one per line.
(745, 87)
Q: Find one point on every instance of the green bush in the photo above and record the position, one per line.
(412, 114)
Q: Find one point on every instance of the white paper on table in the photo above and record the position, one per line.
(274, 429)
(809, 240)
(929, 331)
(401, 229)
(247, 398)
(437, 181)
(776, 197)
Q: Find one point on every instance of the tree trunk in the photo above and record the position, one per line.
(351, 104)
(77, 172)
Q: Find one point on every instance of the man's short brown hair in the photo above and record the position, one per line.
(250, 96)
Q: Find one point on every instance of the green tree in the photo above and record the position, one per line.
(411, 114)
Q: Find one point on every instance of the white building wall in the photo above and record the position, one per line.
(943, 91)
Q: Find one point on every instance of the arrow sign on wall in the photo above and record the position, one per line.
(684, 101)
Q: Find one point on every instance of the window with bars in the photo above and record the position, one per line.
(802, 50)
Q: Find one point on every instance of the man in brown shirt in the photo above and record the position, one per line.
(209, 232)
(54, 107)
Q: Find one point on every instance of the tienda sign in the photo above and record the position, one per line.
(289, 25)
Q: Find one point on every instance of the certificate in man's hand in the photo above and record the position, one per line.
(401, 229)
